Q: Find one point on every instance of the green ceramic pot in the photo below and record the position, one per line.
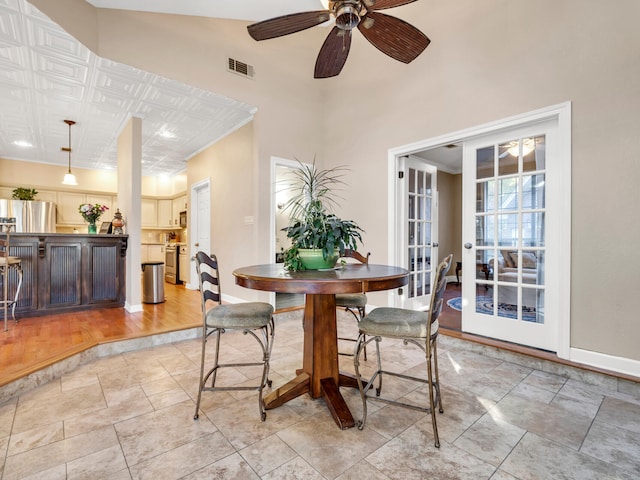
(312, 258)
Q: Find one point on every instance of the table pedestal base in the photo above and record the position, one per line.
(319, 375)
(330, 392)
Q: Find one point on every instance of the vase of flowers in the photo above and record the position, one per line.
(91, 213)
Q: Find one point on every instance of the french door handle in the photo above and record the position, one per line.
(435, 244)
(468, 246)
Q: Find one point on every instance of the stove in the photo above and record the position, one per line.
(171, 264)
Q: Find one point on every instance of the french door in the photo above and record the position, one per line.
(508, 182)
(418, 197)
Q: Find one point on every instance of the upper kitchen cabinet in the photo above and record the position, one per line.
(157, 213)
(67, 205)
(178, 205)
(149, 212)
(165, 218)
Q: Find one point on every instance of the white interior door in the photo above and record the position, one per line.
(200, 224)
(507, 184)
(418, 197)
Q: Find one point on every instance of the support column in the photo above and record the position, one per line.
(129, 203)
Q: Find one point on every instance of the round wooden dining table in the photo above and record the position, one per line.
(319, 375)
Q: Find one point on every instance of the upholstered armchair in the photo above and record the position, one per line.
(505, 269)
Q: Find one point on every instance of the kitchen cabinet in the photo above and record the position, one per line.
(178, 205)
(156, 253)
(151, 253)
(67, 208)
(165, 216)
(67, 204)
(157, 213)
(149, 212)
(184, 266)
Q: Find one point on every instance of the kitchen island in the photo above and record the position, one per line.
(69, 272)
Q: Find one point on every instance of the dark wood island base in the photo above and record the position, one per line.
(69, 272)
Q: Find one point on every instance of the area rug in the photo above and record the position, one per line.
(485, 305)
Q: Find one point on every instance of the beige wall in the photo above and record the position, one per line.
(228, 165)
(38, 175)
(488, 60)
(450, 217)
(14, 173)
(501, 58)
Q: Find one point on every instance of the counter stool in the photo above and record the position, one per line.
(251, 318)
(415, 328)
(8, 263)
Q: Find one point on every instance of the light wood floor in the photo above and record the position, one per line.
(37, 342)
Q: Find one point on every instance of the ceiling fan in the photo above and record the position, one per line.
(390, 35)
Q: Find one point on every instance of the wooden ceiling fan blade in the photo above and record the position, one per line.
(287, 24)
(383, 4)
(393, 37)
(333, 54)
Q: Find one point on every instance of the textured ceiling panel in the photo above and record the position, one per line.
(234, 9)
(46, 76)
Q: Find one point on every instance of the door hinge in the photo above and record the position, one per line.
(400, 175)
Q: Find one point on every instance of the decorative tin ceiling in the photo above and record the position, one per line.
(46, 76)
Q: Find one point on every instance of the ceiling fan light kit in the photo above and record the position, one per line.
(392, 36)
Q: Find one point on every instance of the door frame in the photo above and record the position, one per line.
(562, 114)
(276, 162)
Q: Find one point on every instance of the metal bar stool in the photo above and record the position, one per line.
(414, 328)
(7, 264)
(251, 318)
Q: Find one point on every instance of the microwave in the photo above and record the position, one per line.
(183, 219)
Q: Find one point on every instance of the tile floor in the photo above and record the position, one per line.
(129, 416)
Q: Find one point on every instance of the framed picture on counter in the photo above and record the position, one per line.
(105, 227)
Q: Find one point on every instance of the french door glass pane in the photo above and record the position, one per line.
(510, 229)
(535, 159)
(508, 194)
(485, 162)
(420, 202)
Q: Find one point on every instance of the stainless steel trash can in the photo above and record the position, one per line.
(153, 282)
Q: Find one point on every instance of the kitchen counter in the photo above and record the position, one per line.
(69, 272)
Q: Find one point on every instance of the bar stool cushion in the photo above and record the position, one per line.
(240, 315)
(353, 300)
(396, 323)
(12, 260)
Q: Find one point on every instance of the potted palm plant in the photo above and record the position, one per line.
(317, 235)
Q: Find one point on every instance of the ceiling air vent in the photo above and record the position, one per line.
(241, 68)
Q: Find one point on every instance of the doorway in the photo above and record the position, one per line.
(479, 279)
(282, 180)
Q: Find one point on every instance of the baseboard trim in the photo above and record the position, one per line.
(622, 365)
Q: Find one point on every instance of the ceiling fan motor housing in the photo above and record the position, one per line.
(347, 14)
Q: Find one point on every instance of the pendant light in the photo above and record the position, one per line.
(69, 178)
